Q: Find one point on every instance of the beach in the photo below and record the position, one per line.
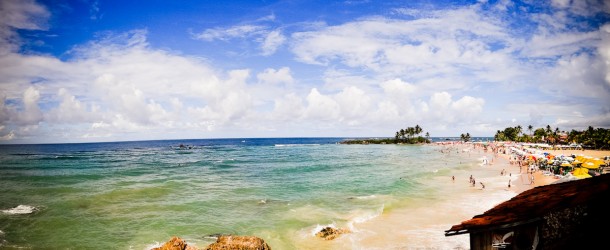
(136, 195)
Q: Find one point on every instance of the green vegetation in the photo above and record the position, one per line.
(410, 135)
(465, 137)
(595, 138)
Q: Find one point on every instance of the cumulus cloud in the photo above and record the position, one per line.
(442, 107)
(273, 76)
(444, 68)
(122, 85)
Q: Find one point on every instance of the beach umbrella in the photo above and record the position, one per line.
(590, 165)
(565, 164)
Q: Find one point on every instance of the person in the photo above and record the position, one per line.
(483, 185)
(532, 179)
(508, 183)
(453, 178)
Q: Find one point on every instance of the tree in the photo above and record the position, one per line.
(465, 137)
(418, 130)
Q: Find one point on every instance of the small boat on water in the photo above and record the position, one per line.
(183, 147)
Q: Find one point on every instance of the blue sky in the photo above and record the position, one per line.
(87, 71)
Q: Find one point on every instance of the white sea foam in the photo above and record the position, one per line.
(364, 217)
(295, 145)
(153, 245)
(319, 228)
(372, 196)
(21, 209)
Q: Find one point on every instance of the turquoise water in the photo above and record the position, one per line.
(132, 195)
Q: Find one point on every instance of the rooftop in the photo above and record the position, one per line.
(533, 204)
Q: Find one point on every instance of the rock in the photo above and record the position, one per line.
(329, 233)
(234, 242)
(175, 243)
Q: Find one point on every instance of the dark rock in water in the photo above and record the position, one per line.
(215, 236)
(329, 233)
(175, 243)
(227, 242)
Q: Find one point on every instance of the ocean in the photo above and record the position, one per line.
(136, 195)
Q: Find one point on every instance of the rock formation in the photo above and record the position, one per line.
(234, 242)
(175, 243)
(329, 233)
(224, 242)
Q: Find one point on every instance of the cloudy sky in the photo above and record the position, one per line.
(87, 71)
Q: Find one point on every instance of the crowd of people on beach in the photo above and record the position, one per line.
(528, 160)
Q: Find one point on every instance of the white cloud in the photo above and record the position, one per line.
(444, 43)
(70, 110)
(19, 14)
(321, 107)
(441, 107)
(288, 108)
(31, 114)
(273, 76)
(240, 31)
(272, 41)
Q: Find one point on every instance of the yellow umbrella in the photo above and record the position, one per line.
(565, 164)
(581, 173)
(590, 165)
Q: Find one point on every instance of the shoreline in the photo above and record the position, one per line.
(500, 161)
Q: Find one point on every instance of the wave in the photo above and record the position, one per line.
(319, 228)
(21, 209)
(296, 145)
(364, 217)
(372, 196)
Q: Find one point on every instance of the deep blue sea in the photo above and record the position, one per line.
(135, 195)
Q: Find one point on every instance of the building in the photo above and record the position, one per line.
(567, 215)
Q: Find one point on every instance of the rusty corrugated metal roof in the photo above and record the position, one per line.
(533, 204)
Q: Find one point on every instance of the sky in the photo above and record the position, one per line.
(96, 70)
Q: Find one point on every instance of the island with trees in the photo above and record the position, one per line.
(409, 135)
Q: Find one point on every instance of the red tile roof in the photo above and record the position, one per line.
(533, 204)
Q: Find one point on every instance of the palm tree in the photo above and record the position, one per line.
(410, 132)
(548, 132)
(418, 130)
(530, 128)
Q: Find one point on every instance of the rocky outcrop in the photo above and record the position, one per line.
(175, 243)
(234, 242)
(329, 233)
(224, 242)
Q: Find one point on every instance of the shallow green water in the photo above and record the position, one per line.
(134, 195)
